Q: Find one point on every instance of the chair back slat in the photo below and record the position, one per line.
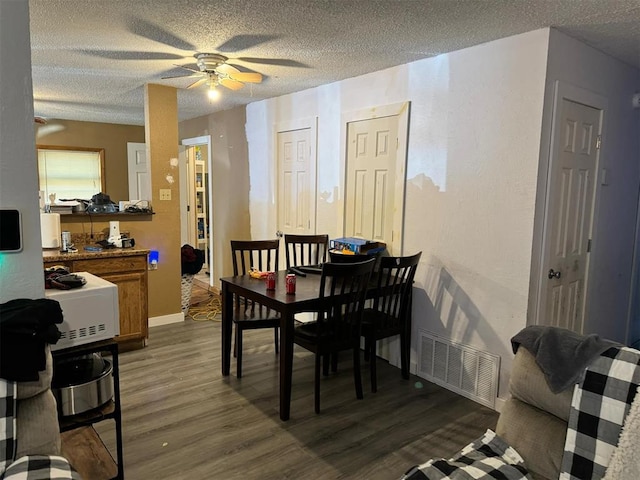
(345, 287)
(248, 254)
(395, 283)
(303, 250)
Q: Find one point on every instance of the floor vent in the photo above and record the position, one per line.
(470, 372)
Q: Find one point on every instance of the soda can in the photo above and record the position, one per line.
(291, 283)
(271, 280)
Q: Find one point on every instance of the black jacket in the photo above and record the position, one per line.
(26, 325)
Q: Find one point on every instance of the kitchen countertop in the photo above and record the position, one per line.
(55, 255)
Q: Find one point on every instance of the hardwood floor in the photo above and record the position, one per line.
(183, 420)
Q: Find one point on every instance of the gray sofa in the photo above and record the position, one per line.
(573, 412)
(31, 436)
(534, 419)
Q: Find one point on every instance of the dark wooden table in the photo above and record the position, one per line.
(306, 298)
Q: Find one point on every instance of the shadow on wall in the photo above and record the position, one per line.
(447, 310)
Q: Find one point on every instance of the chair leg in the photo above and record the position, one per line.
(235, 342)
(325, 365)
(367, 346)
(334, 362)
(316, 386)
(357, 376)
(239, 352)
(372, 365)
(275, 334)
(404, 355)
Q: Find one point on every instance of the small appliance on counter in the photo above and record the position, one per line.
(50, 230)
(117, 239)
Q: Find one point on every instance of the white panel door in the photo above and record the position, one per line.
(296, 185)
(570, 216)
(139, 172)
(370, 179)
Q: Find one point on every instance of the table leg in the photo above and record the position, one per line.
(286, 364)
(227, 327)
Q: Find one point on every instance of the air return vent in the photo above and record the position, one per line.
(470, 372)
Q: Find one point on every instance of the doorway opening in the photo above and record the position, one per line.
(196, 200)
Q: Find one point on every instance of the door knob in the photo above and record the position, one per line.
(554, 274)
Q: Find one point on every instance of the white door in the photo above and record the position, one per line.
(370, 182)
(571, 199)
(296, 182)
(139, 172)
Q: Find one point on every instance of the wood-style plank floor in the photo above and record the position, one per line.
(183, 420)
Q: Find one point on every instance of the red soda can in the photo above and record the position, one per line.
(291, 283)
(271, 280)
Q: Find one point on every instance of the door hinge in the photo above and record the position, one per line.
(188, 208)
(588, 245)
(598, 141)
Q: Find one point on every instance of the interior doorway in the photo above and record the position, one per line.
(196, 200)
(572, 186)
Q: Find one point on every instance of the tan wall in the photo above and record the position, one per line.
(162, 230)
(229, 181)
(112, 137)
(163, 233)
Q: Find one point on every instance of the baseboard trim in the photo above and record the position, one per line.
(166, 319)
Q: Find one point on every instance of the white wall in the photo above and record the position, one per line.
(609, 292)
(21, 273)
(474, 140)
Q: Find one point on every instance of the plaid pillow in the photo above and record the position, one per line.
(7, 423)
(598, 410)
(488, 457)
(41, 467)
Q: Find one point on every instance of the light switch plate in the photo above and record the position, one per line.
(165, 194)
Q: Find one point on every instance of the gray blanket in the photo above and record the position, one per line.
(561, 354)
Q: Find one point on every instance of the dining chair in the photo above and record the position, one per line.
(343, 289)
(304, 250)
(390, 314)
(247, 314)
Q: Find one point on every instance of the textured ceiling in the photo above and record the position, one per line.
(91, 58)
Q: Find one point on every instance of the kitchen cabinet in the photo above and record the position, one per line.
(128, 270)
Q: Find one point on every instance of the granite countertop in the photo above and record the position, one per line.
(54, 255)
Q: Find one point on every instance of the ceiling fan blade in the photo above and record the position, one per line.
(230, 83)
(227, 69)
(242, 42)
(186, 75)
(131, 55)
(197, 83)
(246, 77)
(158, 34)
(191, 69)
(282, 62)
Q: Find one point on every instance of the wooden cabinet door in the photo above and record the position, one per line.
(132, 298)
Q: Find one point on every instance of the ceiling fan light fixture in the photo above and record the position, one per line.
(213, 93)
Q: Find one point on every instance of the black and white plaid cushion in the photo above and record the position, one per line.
(598, 409)
(7, 423)
(41, 467)
(488, 457)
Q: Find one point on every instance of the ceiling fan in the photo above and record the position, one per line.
(213, 71)
(211, 67)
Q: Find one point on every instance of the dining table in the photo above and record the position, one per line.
(306, 298)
